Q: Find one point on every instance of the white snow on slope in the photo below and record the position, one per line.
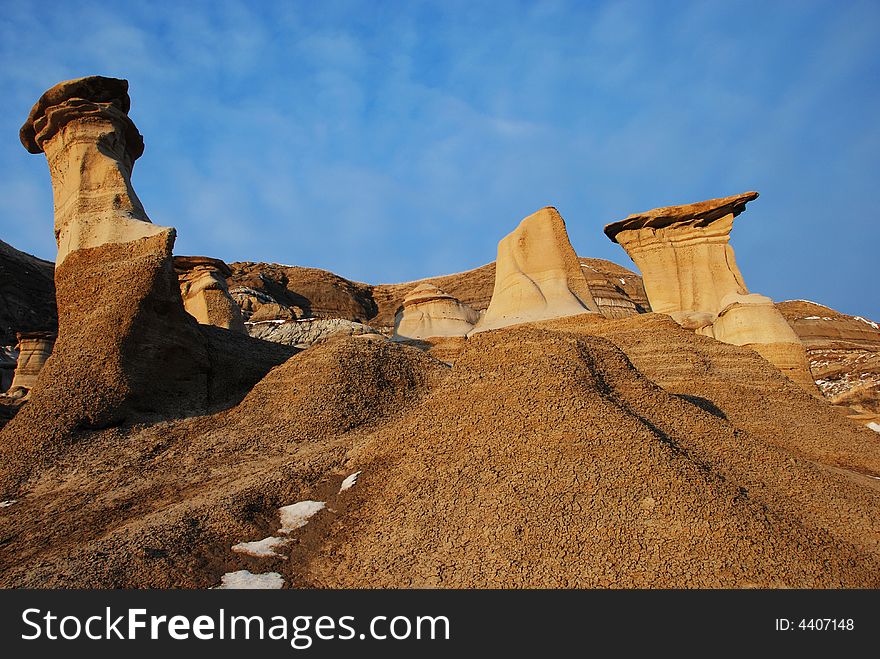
(869, 322)
(245, 580)
(297, 515)
(262, 548)
(9, 502)
(349, 482)
(874, 426)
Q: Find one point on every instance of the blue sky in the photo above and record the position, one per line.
(388, 141)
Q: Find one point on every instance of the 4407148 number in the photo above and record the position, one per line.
(815, 624)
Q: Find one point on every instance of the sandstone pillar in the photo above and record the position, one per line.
(690, 273)
(428, 312)
(537, 275)
(91, 144)
(205, 293)
(34, 349)
(125, 347)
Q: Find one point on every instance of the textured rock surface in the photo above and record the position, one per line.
(205, 293)
(428, 311)
(544, 457)
(306, 331)
(27, 294)
(690, 273)
(537, 275)
(844, 355)
(34, 348)
(91, 144)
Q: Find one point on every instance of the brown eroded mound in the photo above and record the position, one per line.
(173, 497)
(126, 351)
(546, 459)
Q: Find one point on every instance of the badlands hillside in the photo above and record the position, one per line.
(546, 420)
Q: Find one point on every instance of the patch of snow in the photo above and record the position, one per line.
(245, 580)
(811, 318)
(306, 320)
(623, 281)
(297, 515)
(274, 321)
(807, 301)
(874, 426)
(869, 322)
(349, 482)
(9, 502)
(264, 548)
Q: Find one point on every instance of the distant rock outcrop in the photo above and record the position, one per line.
(428, 311)
(537, 275)
(690, 273)
(844, 355)
(27, 294)
(205, 292)
(34, 348)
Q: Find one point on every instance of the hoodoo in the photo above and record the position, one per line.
(91, 144)
(690, 273)
(34, 349)
(126, 347)
(428, 311)
(205, 292)
(537, 275)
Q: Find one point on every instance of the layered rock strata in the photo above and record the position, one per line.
(537, 275)
(690, 273)
(205, 293)
(428, 312)
(306, 331)
(34, 348)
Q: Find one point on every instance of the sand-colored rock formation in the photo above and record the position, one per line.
(690, 273)
(126, 347)
(205, 293)
(428, 311)
(91, 144)
(34, 348)
(537, 275)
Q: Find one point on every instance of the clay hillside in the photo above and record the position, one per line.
(546, 420)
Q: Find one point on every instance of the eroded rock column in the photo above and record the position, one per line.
(690, 273)
(537, 275)
(429, 312)
(91, 144)
(205, 292)
(34, 348)
(126, 348)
